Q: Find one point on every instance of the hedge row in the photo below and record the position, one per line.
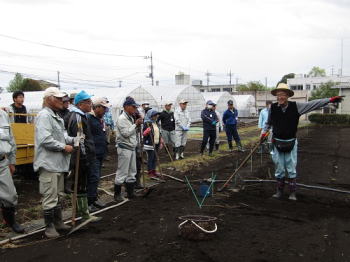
(330, 119)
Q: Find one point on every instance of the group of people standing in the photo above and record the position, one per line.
(71, 138)
(213, 125)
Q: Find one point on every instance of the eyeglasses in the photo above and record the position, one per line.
(86, 102)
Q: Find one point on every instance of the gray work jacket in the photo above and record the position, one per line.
(50, 141)
(7, 141)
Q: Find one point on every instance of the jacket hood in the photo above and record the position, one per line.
(149, 115)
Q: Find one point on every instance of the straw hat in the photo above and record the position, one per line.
(283, 87)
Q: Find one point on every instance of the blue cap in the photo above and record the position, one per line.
(209, 102)
(82, 95)
(230, 102)
(130, 102)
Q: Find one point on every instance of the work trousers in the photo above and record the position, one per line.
(168, 137)
(8, 193)
(126, 172)
(231, 133)
(180, 138)
(285, 162)
(94, 179)
(51, 187)
(152, 159)
(211, 135)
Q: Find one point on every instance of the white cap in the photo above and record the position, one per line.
(168, 103)
(183, 101)
(53, 91)
(100, 101)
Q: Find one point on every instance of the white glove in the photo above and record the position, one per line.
(78, 140)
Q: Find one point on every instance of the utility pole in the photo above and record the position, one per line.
(341, 57)
(151, 67)
(266, 82)
(58, 80)
(332, 70)
(230, 75)
(208, 75)
(120, 83)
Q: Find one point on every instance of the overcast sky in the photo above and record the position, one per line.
(255, 39)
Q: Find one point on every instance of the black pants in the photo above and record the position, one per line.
(211, 135)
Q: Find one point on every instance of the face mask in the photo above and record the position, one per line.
(209, 106)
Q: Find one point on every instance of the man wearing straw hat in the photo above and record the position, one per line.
(283, 118)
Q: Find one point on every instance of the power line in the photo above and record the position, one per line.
(69, 49)
(61, 80)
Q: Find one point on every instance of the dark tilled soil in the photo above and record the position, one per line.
(251, 225)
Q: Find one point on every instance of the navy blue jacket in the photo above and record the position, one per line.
(99, 135)
(208, 116)
(229, 117)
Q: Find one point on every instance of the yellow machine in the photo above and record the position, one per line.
(24, 137)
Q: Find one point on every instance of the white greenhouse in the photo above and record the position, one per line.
(174, 94)
(220, 99)
(245, 105)
(116, 96)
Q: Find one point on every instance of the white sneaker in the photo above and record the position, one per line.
(177, 156)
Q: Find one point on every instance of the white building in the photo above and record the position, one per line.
(302, 82)
(182, 79)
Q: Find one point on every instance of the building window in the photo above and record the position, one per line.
(315, 87)
(293, 87)
(307, 87)
(215, 90)
(228, 89)
(201, 90)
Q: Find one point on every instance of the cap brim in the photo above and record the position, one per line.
(60, 95)
(288, 91)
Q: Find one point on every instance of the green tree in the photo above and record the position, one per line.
(251, 86)
(317, 71)
(285, 77)
(324, 91)
(31, 85)
(16, 83)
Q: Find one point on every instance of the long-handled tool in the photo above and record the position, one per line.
(242, 164)
(76, 172)
(146, 190)
(167, 150)
(76, 176)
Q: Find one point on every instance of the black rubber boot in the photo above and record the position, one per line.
(230, 146)
(292, 188)
(217, 147)
(279, 188)
(9, 216)
(182, 149)
(130, 190)
(49, 218)
(58, 221)
(118, 193)
(177, 153)
(138, 184)
(240, 147)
